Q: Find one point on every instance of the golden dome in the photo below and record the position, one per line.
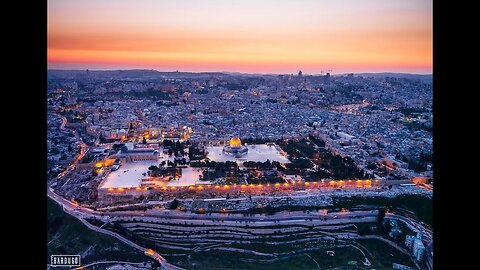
(235, 142)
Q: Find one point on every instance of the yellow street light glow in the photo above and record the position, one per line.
(252, 185)
(285, 185)
(277, 184)
(225, 186)
(110, 189)
(217, 186)
(243, 186)
(307, 183)
(200, 187)
(191, 187)
(163, 188)
(138, 188)
(173, 188)
(146, 188)
(120, 189)
(260, 185)
(268, 185)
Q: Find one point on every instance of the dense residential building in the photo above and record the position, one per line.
(219, 143)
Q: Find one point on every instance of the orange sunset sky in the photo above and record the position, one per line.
(263, 36)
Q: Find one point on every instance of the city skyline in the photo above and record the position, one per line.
(169, 163)
(240, 36)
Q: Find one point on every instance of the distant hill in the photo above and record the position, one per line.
(133, 74)
(426, 78)
(101, 74)
(150, 74)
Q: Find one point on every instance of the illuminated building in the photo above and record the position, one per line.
(235, 148)
(416, 246)
(418, 249)
(140, 154)
(409, 241)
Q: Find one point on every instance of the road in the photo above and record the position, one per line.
(427, 234)
(73, 209)
(83, 151)
(282, 217)
(285, 217)
(80, 212)
(107, 262)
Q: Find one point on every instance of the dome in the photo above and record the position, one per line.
(235, 148)
(235, 142)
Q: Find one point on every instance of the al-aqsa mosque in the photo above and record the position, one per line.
(235, 148)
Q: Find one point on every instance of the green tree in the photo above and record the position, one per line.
(174, 204)
(101, 138)
(380, 216)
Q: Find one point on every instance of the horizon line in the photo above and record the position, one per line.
(246, 73)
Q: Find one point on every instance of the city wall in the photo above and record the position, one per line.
(111, 195)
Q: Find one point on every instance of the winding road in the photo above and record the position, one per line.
(80, 213)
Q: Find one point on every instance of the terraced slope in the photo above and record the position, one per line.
(227, 244)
